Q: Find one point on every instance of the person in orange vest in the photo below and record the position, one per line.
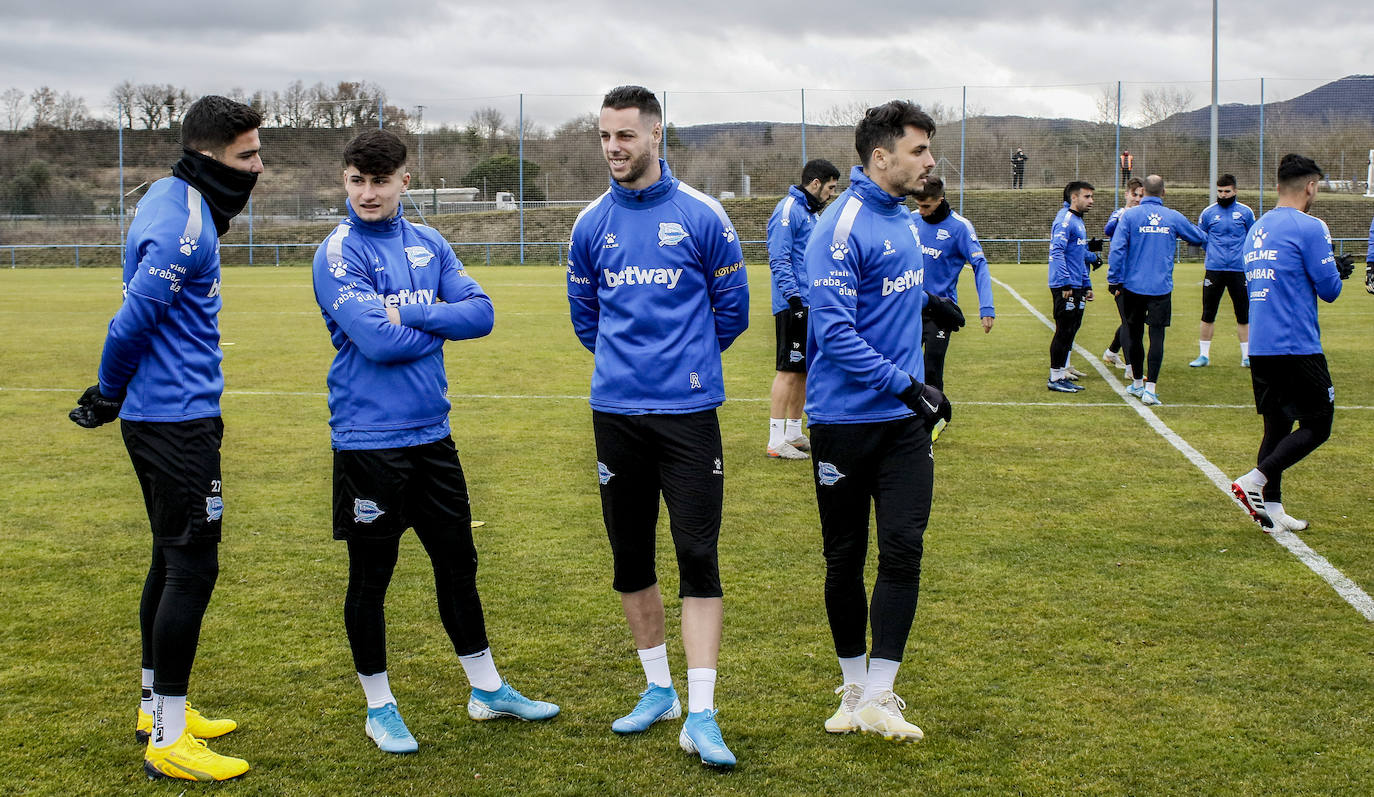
(1127, 160)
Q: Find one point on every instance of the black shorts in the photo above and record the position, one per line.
(1296, 385)
(1216, 283)
(1076, 303)
(381, 492)
(791, 335)
(679, 456)
(1154, 311)
(178, 468)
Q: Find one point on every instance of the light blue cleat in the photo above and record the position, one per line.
(1200, 362)
(386, 728)
(1137, 391)
(701, 735)
(1245, 362)
(506, 702)
(655, 703)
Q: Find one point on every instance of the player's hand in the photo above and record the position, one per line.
(1115, 288)
(1095, 244)
(393, 315)
(943, 313)
(1088, 295)
(1095, 260)
(987, 323)
(1066, 294)
(796, 307)
(927, 401)
(1345, 265)
(93, 409)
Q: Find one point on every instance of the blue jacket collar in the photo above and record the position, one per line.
(391, 226)
(870, 193)
(1152, 200)
(646, 197)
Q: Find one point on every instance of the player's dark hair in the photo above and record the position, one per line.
(933, 189)
(375, 152)
(884, 124)
(213, 122)
(1295, 170)
(819, 169)
(622, 97)
(1132, 184)
(1076, 186)
(1226, 180)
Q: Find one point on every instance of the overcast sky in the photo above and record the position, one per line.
(717, 60)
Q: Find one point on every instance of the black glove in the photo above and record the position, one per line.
(795, 306)
(93, 409)
(1093, 259)
(1345, 265)
(927, 401)
(942, 312)
(1095, 244)
(1369, 276)
(1115, 288)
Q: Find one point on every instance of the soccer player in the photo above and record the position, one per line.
(657, 290)
(160, 375)
(391, 293)
(1141, 270)
(1225, 222)
(1369, 262)
(870, 414)
(788, 230)
(1070, 286)
(1135, 190)
(1288, 266)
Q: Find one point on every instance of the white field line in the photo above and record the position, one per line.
(1349, 591)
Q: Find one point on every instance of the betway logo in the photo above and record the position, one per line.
(911, 279)
(635, 275)
(404, 296)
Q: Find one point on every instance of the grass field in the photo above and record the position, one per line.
(1096, 617)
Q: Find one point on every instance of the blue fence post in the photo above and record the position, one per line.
(250, 229)
(1261, 149)
(1018, 251)
(522, 179)
(963, 121)
(803, 129)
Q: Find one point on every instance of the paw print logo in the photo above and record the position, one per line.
(1259, 238)
(839, 250)
(1155, 219)
(188, 245)
(730, 234)
(338, 269)
(610, 237)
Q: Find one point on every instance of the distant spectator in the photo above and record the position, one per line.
(1018, 168)
(1127, 161)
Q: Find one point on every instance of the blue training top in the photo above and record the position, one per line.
(788, 230)
(1288, 266)
(867, 277)
(1144, 244)
(387, 385)
(657, 290)
(1225, 228)
(162, 351)
(1069, 255)
(947, 245)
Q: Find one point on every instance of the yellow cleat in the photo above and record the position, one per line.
(882, 715)
(843, 719)
(197, 724)
(189, 759)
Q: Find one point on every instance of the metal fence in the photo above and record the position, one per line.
(503, 177)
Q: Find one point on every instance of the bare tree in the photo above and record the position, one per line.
(324, 107)
(44, 102)
(847, 113)
(487, 123)
(1104, 105)
(122, 98)
(12, 101)
(1160, 103)
(70, 113)
(295, 105)
(178, 103)
(149, 99)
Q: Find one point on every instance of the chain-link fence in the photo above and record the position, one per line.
(504, 176)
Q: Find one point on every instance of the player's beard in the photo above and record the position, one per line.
(639, 164)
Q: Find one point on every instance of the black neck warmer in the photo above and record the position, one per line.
(813, 204)
(939, 214)
(1227, 201)
(224, 188)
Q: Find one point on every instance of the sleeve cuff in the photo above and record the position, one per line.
(413, 315)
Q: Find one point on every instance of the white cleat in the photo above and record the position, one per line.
(801, 442)
(1112, 358)
(787, 451)
(1251, 496)
(1282, 519)
(842, 721)
(882, 715)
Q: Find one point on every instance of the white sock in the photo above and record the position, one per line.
(169, 719)
(1056, 374)
(145, 700)
(481, 670)
(1138, 383)
(775, 432)
(1204, 348)
(854, 670)
(1150, 387)
(792, 430)
(1258, 478)
(377, 689)
(655, 661)
(882, 674)
(1128, 372)
(1245, 350)
(701, 689)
